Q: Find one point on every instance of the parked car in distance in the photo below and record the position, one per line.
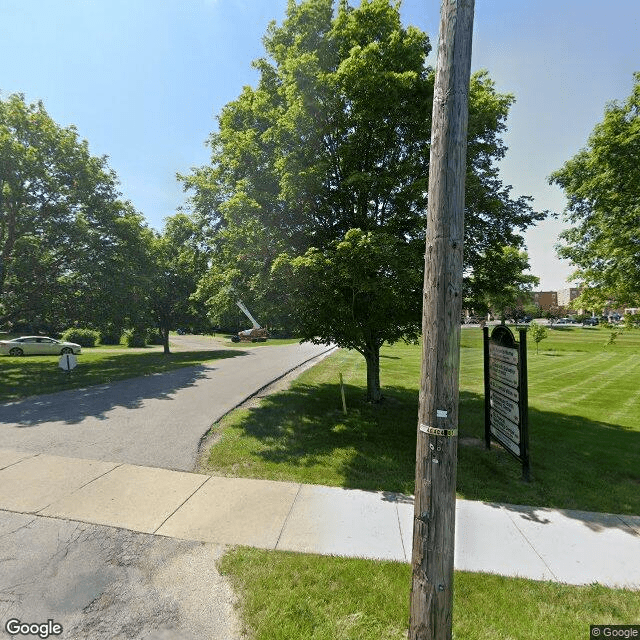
(563, 321)
(37, 345)
(590, 322)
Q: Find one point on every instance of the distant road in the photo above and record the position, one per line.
(155, 420)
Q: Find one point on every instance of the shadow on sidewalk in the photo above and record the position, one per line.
(592, 520)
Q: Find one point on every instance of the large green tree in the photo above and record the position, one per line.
(328, 151)
(500, 282)
(357, 291)
(602, 184)
(180, 261)
(70, 249)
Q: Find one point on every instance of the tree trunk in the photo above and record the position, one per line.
(165, 339)
(372, 356)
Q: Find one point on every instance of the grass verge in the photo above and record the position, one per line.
(584, 400)
(27, 376)
(288, 596)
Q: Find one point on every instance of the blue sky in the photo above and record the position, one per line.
(142, 80)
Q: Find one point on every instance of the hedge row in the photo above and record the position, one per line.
(130, 337)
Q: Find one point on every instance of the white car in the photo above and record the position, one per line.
(37, 345)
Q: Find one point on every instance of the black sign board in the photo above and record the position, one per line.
(506, 411)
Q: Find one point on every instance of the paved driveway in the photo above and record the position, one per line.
(103, 583)
(155, 420)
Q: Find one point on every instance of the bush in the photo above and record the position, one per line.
(83, 337)
(280, 333)
(133, 338)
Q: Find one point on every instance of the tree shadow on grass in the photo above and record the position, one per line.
(576, 463)
(114, 381)
(305, 428)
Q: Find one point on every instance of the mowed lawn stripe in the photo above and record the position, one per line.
(547, 377)
(596, 395)
(605, 397)
(548, 380)
(605, 376)
(628, 412)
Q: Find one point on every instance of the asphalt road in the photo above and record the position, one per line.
(155, 420)
(102, 583)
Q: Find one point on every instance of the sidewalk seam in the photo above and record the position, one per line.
(13, 464)
(544, 562)
(81, 486)
(404, 550)
(284, 524)
(183, 502)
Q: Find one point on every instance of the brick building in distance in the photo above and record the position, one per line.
(545, 299)
(566, 296)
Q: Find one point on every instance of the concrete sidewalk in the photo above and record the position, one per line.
(543, 544)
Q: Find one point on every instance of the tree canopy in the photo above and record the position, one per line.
(179, 262)
(602, 185)
(69, 247)
(499, 282)
(357, 291)
(331, 151)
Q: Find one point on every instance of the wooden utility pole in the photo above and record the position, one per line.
(436, 450)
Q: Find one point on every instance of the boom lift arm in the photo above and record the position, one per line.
(246, 313)
(255, 334)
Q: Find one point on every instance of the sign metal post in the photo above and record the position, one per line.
(67, 362)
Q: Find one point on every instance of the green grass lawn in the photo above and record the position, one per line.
(585, 442)
(31, 375)
(289, 596)
(584, 414)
